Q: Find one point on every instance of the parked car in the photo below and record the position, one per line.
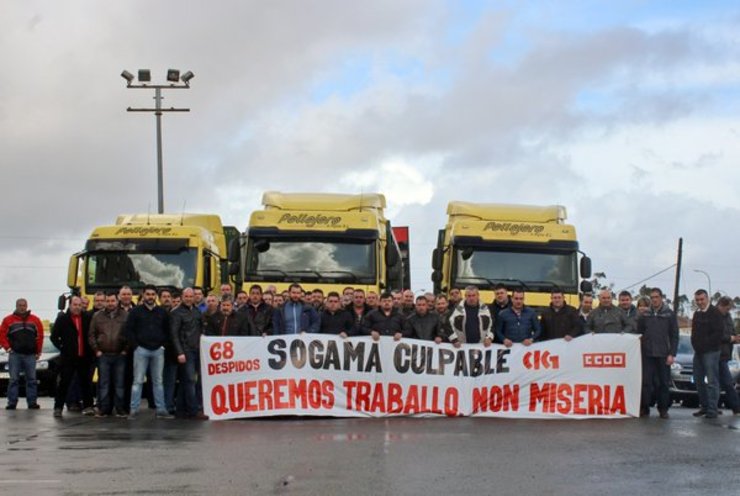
(47, 370)
(683, 388)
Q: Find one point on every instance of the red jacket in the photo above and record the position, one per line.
(18, 332)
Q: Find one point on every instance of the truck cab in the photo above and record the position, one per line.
(520, 246)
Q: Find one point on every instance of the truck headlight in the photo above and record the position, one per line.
(42, 365)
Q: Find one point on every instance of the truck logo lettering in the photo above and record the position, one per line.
(310, 220)
(513, 228)
(145, 230)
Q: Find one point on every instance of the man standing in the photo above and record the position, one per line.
(470, 321)
(707, 328)
(227, 291)
(227, 321)
(423, 324)
(165, 299)
(22, 336)
(295, 317)
(407, 303)
(606, 318)
(729, 338)
(98, 302)
(385, 321)
(334, 318)
(147, 332)
(126, 298)
(242, 300)
(585, 309)
(200, 298)
(186, 327)
(258, 311)
(108, 343)
(517, 324)
(659, 330)
(454, 297)
(358, 309)
(560, 320)
(69, 336)
(501, 300)
(629, 310)
(372, 300)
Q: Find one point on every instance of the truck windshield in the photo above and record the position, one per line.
(106, 269)
(314, 260)
(534, 271)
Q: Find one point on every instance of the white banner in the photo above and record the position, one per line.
(315, 374)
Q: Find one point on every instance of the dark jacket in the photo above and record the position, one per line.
(386, 325)
(65, 337)
(22, 333)
(309, 319)
(235, 324)
(659, 329)
(496, 309)
(336, 323)
(108, 332)
(186, 326)
(607, 320)
(426, 327)
(729, 331)
(358, 320)
(517, 328)
(707, 329)
(556, 324)
(631, 315)
(260, 317)
(147, 328)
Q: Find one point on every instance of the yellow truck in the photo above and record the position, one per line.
(320, 240)
(520, 246)
(167, 250)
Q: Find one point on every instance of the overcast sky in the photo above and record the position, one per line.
(624, 112)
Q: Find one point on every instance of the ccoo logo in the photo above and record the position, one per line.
(536, 360)
(604, 360)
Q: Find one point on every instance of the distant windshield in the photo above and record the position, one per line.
(117, 268)
(48, 346)
(537, 271)
(311, 260)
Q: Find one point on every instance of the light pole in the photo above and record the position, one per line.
(709, 282)
(145, 77)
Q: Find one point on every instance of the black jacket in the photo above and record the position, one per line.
(358, 320)
(560, 323)
(659, 329)
(386, 325)
(335, 323)
(148, 328)
(260, 317)
(186, 326)
(706, 330)
(236, 324)
(65, 338)
(729, 331)
(426, 327)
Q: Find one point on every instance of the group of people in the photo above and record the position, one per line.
(158, 338)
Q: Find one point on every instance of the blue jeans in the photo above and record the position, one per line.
(189, 380)
(728, 386)
(17, 363)
(111, 366)
(707, 365)
(154, 361)
(169, 379)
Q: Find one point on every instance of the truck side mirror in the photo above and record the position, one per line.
(585, 267)
(587, 287)
(62, 303)
(467, 253)
(436, 277)
(261, 245)
(437, 259)
(234, 250)
(207, 274)
(73, 270)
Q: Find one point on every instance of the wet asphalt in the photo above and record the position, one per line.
(400, 456)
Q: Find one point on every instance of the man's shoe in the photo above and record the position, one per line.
(699, 413)
(736, 411)
(34, 406)
(132, 416)
(664, 414)
(57, 413)
(201, 416)
(10, 407)
(710, 416)
(644, 412)
(88, 411)
(121, 414)
(74, 408)
(164, 416)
